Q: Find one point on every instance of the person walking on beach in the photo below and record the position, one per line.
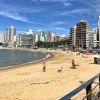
(44, 67)
(73, 63)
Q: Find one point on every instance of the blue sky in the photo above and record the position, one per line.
(50, 15)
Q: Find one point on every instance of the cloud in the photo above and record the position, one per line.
(21, 9)
(18, 12)
(57, 29)
(15, 16)
(75, 11)
(21, 31)
(60, 29)
(94, 5)
(57, 23)
(65, 2)
(49, 0)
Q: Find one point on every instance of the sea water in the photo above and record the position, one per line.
(16, 57)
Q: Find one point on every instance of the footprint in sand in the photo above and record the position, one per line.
(44, 82)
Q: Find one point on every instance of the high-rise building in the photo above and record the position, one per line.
(2, 37)
(51, 36)
(72, 38)
(98, 34)
(25, 40)
(40, 36)
(81, 29)
(11, 36)
(91, 39)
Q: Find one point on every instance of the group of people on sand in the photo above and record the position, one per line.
(60, 68)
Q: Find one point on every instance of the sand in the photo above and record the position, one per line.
(28, 82)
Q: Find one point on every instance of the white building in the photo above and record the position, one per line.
(11, 36)
(98, 33)
(73, 36)
(2, 37)
(25, 40)
(51, 36)
(40, 36)
(30, 38)
(91, 39)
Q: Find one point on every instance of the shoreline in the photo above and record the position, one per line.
(48, 56)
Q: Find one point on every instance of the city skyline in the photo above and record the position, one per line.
(50, 15)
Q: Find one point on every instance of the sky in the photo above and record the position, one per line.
(49, 15)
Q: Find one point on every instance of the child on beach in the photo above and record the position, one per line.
(44, 67)
(73, 63)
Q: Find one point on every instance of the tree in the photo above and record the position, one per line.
(39, 44)
(5, 45)
(1, 43)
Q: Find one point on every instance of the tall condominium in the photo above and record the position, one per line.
(2, 37)
(81, 29)
(40, 36)
(98, 34)
(25, 40)
(51, 36)
(91, 39)
(11, 36)
(72, 38)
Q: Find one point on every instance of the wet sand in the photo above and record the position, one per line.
(28, 82)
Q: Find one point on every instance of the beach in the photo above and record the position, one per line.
(29, 82)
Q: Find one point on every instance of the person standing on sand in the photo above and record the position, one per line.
(44, 67)
(73, 63)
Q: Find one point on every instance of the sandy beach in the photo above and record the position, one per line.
(28, 82)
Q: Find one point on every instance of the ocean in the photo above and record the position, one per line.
(16, 57)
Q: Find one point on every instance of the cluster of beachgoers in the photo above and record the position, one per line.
(49, 79)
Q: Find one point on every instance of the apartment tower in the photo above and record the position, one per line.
(81, 29)
(11, 36)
